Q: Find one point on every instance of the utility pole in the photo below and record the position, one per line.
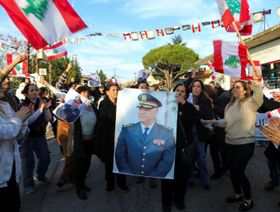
(50, 71)
(32, 66)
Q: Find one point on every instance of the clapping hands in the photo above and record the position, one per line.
(44, 105)
(272, 130)
(23, 113)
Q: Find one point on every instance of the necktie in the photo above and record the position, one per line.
(145, 134)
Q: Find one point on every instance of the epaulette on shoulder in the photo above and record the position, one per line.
(128, 125)
(169, 128)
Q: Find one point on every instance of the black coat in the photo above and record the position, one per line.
(188, 116)
(205, 112)
(105, 130)
(268, 105)
(38, 127)
(79, 144)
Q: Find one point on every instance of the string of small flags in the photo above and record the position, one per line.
(151, 34)
(10, 42)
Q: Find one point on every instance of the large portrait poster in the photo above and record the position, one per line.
(145, 134)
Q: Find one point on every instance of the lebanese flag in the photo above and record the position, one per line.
(43, 22)
(160, 32)
(237, 11)
(126, 36)
(55, 51)
(230, 58)
(248, 75)
(20, 70)
(196, 28)
(215, 24)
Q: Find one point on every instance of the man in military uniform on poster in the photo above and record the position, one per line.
(146, 148)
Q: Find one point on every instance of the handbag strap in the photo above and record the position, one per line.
(183, 131)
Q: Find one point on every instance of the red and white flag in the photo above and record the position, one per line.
(274, 113)
(134, 36)
(210, 64)
(55, 51)
(127, 35)
(215, 24)
(248, 75)
(230, 58)
(43, 22)
(160, 32)
(196, 28)
(20, 70)
(237, 11)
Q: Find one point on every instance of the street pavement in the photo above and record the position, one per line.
(50, 198)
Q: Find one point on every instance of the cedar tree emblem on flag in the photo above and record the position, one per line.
(43, 22)
(230, 58)
(236, 11)
(232, 61)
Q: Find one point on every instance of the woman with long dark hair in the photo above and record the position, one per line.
(187, 116)
(200, 133)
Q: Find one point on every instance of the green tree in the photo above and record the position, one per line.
(169, 62)
(177, 40)
(102, 76)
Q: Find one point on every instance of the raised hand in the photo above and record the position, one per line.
(276, 96)
(69, 66)
(20, 58)
(180, 98)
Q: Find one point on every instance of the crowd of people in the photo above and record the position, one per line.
(207, 116)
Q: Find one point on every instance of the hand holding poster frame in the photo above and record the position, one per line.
(73, 107)
(140, 151)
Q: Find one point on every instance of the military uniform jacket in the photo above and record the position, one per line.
(151, 155)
